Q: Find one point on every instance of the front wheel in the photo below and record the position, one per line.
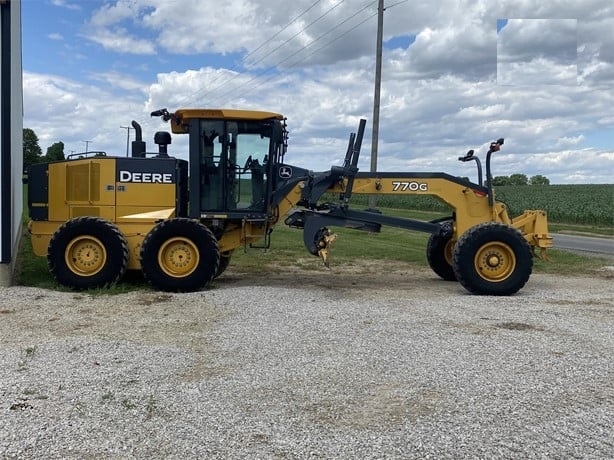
(179, 255)
(439, 253)
(492, 259)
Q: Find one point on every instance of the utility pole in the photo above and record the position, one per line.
(127, 128)
(87, 143)
(376, 94)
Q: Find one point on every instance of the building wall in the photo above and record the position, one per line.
(11, 133)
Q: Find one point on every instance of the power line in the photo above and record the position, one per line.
(270, 39)
(395, 4)
(331, 30)
(220, 97)
(282, 29)
(302, 49)
(280, 46)
(300, 32)
(317, 50)
(378, 55)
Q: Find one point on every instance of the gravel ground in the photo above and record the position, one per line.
(311, 364)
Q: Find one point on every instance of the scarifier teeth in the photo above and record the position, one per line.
(543, 254)
(325, 244)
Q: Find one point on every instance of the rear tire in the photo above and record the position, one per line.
(492, 259)
(439, 251)
(224, 262)
(179, 255)
(87, 253)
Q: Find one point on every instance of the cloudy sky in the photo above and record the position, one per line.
(456, 75)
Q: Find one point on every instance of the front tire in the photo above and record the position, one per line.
(439, 251)
(87, 253)
(179, 255)
(492, 259)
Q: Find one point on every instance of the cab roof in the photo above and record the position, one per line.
(181, 116)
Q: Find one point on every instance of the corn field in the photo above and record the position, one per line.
(569, 204)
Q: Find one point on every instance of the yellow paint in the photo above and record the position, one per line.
(184, 115)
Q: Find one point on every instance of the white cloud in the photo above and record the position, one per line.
(59, 109)
(538, 52)
(119, 40)
(538, 71)
(110, 14)
(66, 4)
(121, 81)
(523, 40)
(567, 142)
(105, 28)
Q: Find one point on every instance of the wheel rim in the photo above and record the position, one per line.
(495, 261)
(178, 257)
(85, 255)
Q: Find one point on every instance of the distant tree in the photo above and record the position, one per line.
(31, 150)
(519, 179)
(55, 152)
(539, 180)
(501, 180)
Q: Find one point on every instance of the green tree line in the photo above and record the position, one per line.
(33, 154)
(520, 179)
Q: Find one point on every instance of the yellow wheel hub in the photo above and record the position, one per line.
(85, 255)
(178, 257)
(495, 261)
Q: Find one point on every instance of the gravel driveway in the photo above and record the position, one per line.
(391, 363)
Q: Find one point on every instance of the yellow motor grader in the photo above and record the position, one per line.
(94, 216)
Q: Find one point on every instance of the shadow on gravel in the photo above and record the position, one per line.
(513, 326)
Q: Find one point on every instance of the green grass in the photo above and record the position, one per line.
(354, 247)
(586, 230)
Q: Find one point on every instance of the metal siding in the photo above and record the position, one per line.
(16, 124)
(5, 133)
(11, 126)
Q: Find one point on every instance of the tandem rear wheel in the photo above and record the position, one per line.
(87, 253)
(179, 255)
(492, 259)
(224, 262)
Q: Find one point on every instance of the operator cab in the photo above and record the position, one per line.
(233, 154)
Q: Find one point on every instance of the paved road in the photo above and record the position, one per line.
(601, 246)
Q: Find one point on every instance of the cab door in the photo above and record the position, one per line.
(231, 173)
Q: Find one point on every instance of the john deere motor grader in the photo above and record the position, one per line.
(94, 216)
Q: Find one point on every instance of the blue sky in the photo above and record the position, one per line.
(455, 76)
